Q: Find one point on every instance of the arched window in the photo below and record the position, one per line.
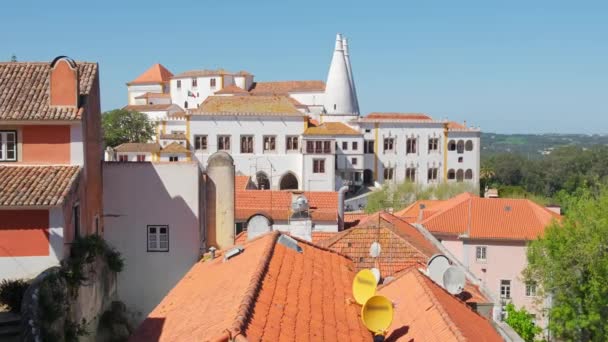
(459, 175)
(460, 146)
(451, 174)
(186, 104)
(469, 145)
(262, 181)
(288, 182)
(451, 145)
(468, 174)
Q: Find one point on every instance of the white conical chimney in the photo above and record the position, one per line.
(353, 89)
(338, 94)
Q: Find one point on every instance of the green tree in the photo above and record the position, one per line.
(122, 126)
(570, 263)
(522, 322)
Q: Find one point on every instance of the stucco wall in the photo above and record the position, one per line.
(140, 194)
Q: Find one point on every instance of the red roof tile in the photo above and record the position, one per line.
(154, 96)
(432, 314)
(231, 89)
(247, 106)
(155, 74)
(25, 91)
(24, 186)
(285, 87)
(398, 116)
(317, 237)
(277, 204)
(270, 293)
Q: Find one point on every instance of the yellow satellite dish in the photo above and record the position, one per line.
(377, 314)
(364, 286)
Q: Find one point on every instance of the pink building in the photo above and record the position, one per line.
(489, 236)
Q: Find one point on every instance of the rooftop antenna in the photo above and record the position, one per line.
(436, 266)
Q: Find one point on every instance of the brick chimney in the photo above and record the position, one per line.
(64, 83)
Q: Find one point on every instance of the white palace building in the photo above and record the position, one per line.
(304, 135)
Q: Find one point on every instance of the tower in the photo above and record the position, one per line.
(339, 95)
(350, 75)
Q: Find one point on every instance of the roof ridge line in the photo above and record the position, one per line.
(326, 249)
(407, 241)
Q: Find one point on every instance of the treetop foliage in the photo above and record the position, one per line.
(122, 126)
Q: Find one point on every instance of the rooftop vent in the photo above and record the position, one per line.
(290, 243)
(422, 206)
(507, 208)
(231, 253)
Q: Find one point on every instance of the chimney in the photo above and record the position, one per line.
(338, 94)
(353, 90)
(64, 83)
(341, 194)
(220, 200)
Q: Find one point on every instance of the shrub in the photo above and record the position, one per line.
(11, 293)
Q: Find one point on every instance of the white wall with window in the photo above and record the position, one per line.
(463, 156)
(319, 167)
(8, 146)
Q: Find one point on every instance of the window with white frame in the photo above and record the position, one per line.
(389, 145)
(158, 238)
(345, 146)
(318, 166)
(270, 143)
(433, 145)
(223, 142)
(173, 158)
(212, 83)
(200, 142)
(388, 173)
(8, 146)
(246, 143)
(368, 147)
(531, 289)
(355, 145)
(480, 253)
(410, 174)
(505, 289)
(432, 174)
(291, 143)
(410, 146)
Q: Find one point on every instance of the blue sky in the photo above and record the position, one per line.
(507, 66)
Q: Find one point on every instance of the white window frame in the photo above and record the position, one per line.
(531, 289)
(198, 139)
(225, 141)
(173, 159)
(292, 143)
(317, 165)
(481, 253)
(4, 146)
(505, 287)
(267, 141)
(389, 145)
(153, 240)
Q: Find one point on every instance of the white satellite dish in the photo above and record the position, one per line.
(436, 266)
(375, 249)
(376, 273)
(454, 280)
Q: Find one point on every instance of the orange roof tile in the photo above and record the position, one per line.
(173, 136)
(241, 182)
(154, 96)
(138, 147)
(155, 74)
(247, 105)
(25, 91)
(206, 72)
(231, 89)
(270, 293)
(175, 147)
(151, 107)
(490, 218)
(317, 237)
(276, 204)
(432, 314)
(285, 87)
(24, 186)
(331, 128)
(411, 213)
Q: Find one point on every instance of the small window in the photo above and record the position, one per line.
(212, 83)
(432, 174)
(173, 158)
(451, 174)
(531, 289)
(223, 142)
(291, 143)
(194, 83)
(505, 289)
(158, 238)
(246, 143)
(368, 130)
(141, 158)
(388, 173)
(468, 145)
(179, 84)
(355, 146)
(451, 145)
(468, 174)
(310, 147)
(200, 142)
(410, 174)
(460, 159)
(8, 146)
(368, 147)
(433, 145)
(185, 104)
(460, 146)
(318, 166)
(480, 253)
(353, 161)
(410, 146)
(345, 145)
(123, 158)
(389, 144)
(270, 143)
(327, 147)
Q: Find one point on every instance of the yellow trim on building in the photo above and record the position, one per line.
(164, 127)
(376, 143)
(305, 123)
(158, 132)
(445, 152)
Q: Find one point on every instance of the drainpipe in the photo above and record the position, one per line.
(341, 194)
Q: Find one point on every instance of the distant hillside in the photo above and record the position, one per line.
(535, 145)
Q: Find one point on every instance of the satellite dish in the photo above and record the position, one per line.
(364, 286)
(375, 249)
(300, 204)
(436, 266)
(454, 280)
(377, 314)
(376, 273)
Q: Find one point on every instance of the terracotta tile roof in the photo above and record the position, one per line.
(242, 182)
(205, 73)
(456, 126)
(23, 186)
(269, 293)
(24, 91)
(155, 74)
(490, 218)
(352, 219)
(331, 128)
(247, 105)
(276, 204)
(432, 314)
(150, 107)
(399, 116)
(285, 87)
(317, 237)
(174, 147)
(154, 96)
(231, 89)
(138, 147)
(173, 136)
(411, 213)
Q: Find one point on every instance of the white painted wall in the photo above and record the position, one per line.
(203, 89)
(132, 156)
(31, 266)
(136, 90)
(470, 159)
(309, 98)
(76, 144)
(140, 194)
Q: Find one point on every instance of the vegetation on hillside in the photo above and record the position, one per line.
(122, 126)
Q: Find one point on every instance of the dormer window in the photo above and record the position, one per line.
(8, 146)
